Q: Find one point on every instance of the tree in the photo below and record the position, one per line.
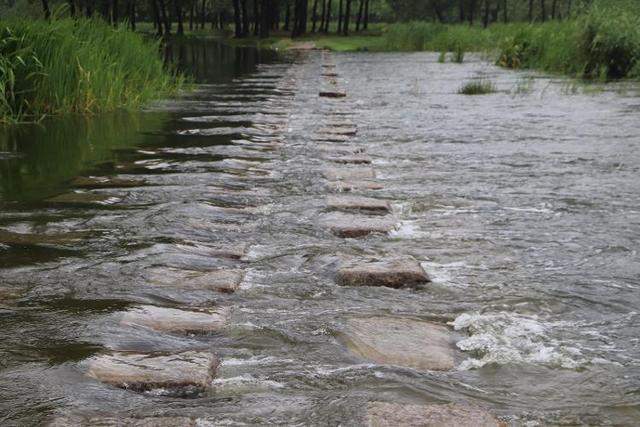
(45, 9)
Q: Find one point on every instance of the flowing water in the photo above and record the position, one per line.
(523, 206)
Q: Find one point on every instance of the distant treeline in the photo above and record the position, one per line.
(261, 17)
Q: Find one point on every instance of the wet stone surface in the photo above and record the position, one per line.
(191, 371)
(358, 203)
(393, 273)
(216, 280)
(176, 320)
(352, 226)
(351, 185)
(380, 414)
(348, 174)
(121, 421)
(404, 342)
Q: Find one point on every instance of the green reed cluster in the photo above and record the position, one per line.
(81, 66)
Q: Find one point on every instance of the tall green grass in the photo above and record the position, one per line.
(81, 66)
(602, 42)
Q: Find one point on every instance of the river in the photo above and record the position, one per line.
(523, 206)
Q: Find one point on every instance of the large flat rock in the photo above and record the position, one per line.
(353, 185)
(82, 198)
(31, 239)
(174, 320)
(223, 280)
(351, 226)
(332, 137)
(352, 159)
(348, 174)
(141, 372)
(395, 273)
(332, 94)
(381, 414)
(349, 131)
(358, 203)
(403, 342)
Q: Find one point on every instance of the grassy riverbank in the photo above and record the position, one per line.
(601, 43)
(83, 66)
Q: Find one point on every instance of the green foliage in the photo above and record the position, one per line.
(76, 66)
(477, 87)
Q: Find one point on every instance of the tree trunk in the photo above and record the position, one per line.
(203, 14)
(340, 17)
(359, 17)
(165, 17)
(236, 18)
(45, 9)
(472, 11)
(256, 17)
(347, 18)
(178, 7)
(365, 24)
(553, 9)
(287, 16)
(114, 12)
(323, 15)
(132, 14)
(156, 16)
(314, 16)
(192, 12)
(265, 25)
(461, 11)
(72, 8)
(543, 11)
(438, 12)
(245, 18)
(485, 18)
(505, 16)
(569, 9)
(530, 10)
(327, 19)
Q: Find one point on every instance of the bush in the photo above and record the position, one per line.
(477, 87)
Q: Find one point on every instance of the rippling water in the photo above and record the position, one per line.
(521, 205)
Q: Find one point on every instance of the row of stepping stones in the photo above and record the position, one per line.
(416, 344)
(185, 373)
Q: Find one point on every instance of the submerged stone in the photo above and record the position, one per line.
(216, 280)
(348, 131)
(358, 203)
(31, 239)
(329, 74)
(119, 421)
(332, 137)
(347, 186)
(354, 160)
(174, 320)
(395, 273)
(82, 198)
(381, 414)
(403, 342)
(351, 226)
(104, 182)
(332, 94)
(142, 372)
(338, 174)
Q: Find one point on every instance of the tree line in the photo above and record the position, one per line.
(262, 17)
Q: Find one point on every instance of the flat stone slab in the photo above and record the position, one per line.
(342, 149)
(174, 320)
(332, 94)
(339, 174)
(358, 203)
(328, 65)
(332, 137)
(352, 226)
(347, 186)
(105, 182)
(381, 414)
(353, 160)
(403, 342)
(142, 372)
(216, 280)
(118, 421)
(84, 199)
(395, 273)
(349, 131)
(329, 74)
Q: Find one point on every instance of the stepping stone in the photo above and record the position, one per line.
(332, 94)
(340, 123)
(381, 414)
(348, 131)
(215, 280)
(351, 226)
(403, 342)
(347, 186)
(32, 239)
(347, 150)
(105, 182)
(353, 160)
(328, 65)
(358, 203)
(84, 199)
(332, 137)
(329, 74)
(142, 372)
(336, 174)
(178, 321)
(394, 273)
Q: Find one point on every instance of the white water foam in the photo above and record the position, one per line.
(507, 338)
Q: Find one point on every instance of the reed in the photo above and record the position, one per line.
(79, 66)
(477, 87)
